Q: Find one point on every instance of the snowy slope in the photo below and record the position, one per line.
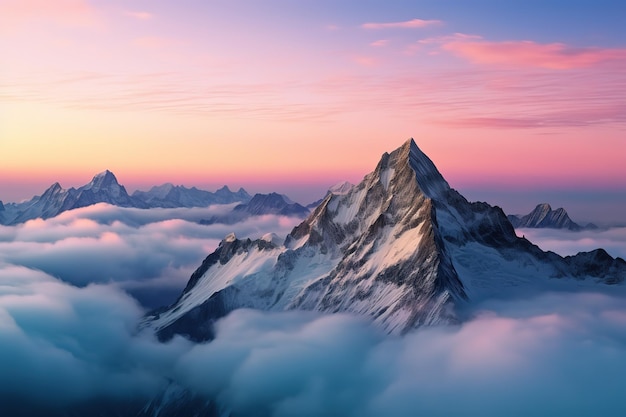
(401, 248)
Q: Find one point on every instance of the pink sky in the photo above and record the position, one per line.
(206, 94)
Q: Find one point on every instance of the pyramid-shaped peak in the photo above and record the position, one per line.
(55, 187)
(53, 190)
(104, 177)
(103, 180)
(224, 189)
(428, 177)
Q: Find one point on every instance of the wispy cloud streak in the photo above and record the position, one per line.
(531, 54)
(408, 24)
(140, 15)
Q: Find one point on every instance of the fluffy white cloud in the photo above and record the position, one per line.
(60, 344)
(533, 357)
(565, 242)
(556, 354)
(151, 253)
(63, 345)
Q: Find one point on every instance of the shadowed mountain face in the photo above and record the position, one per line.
(401, 248)
(171, 196)
(543, 216)
(272, 203)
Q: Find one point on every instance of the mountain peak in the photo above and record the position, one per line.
(543, 216)
(408, 166)
(400, 247)
(104, 174)
(104, 179)
(224, 189)
(428, 176)
(543, 208)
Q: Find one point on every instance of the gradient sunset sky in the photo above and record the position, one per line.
(516, 102)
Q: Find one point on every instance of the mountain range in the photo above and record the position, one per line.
(104, 188)
(543, 216)
(401, 248)
(172, 196)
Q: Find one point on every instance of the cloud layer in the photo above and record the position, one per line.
(556, 354)
(150, 253)
(566, 243)
(63, 346)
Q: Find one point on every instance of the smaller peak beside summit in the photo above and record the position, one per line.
(341, 188)
(543, 208)
(272, 238)
(224, 189)
(53, 189)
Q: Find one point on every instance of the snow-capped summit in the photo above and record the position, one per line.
(401, 248)
(103, 188)
(105, 180)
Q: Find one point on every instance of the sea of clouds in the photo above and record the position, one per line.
(69, 335)
(149, 253)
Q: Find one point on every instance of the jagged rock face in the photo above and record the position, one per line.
(401, 248)
(543, 216)
(392, 264)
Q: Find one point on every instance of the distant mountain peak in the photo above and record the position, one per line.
(542, 216)
(543, 207)
(53, 189)
(102, 180)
